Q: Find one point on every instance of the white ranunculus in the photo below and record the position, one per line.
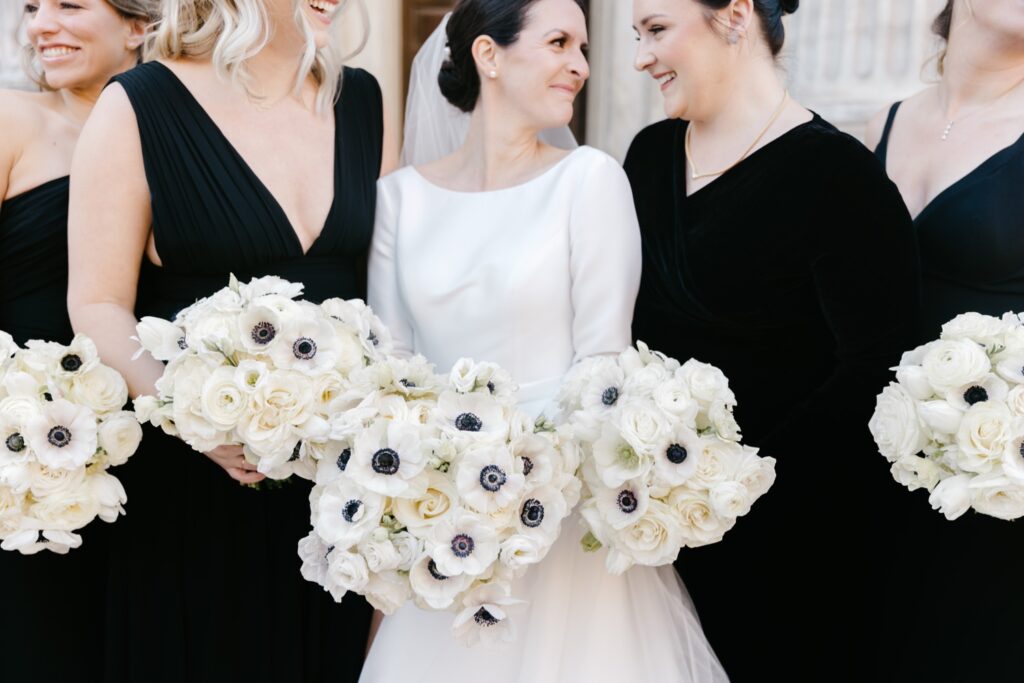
(422, 513)
(387, 458)
(433, 588)
(952, 364)
(985, 434)
(68, 513)
(997, 496)
(940, 416)
(643, 383)
(346, 571)
(380, 553)
(916, 472)
(755, 472)
(387, 591)
(519, 551)
(706, 383)
(616, 460)
(719, 460)
(164, 340)
(487, 479)
(102, 389)
(408, 548)
(463, 544)
(485, 618)
(281, 407)
(983, 329)
(699, 525)
(895, 424)
(62, 435)
(222, 400)
(730, 499)
(673, 397)
(119, 436)
(345, 514)
(952, 496)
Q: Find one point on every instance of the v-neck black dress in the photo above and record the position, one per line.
(796, 273)
(52, 624)
(964, 618)
(205, 579)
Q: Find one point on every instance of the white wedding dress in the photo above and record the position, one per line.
(533, 277)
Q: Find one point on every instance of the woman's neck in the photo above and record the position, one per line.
(742, 104)
(497, 150)
(979, 69)
(274, 68)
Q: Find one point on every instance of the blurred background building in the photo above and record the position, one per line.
(844, 58)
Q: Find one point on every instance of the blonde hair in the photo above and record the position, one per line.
(231, 32)
(144, 10)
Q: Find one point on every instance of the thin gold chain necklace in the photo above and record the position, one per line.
(697, 175)
(952, 122)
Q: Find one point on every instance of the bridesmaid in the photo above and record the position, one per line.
(246, 149)
(956, 152)
(776, 249)
(53, 604)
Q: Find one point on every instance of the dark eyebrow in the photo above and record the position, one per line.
(557, 30)
(649, 18)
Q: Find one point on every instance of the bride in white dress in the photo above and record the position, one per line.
(524, 254)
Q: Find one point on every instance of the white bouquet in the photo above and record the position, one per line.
(663, 465)
(61, 428)
(252, 365)
(443, 493)
(953, 422)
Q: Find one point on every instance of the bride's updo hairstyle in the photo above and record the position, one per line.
(770, 12)
(501, 20)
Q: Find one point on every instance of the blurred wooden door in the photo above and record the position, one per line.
(421, 17)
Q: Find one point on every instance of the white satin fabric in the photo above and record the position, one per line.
(533, 277)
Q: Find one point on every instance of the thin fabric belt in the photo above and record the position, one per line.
(539, 396)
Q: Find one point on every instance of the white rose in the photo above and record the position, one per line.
(119, 436)
(387, 591)
(706, 382)
(895, 425)
(423, 512)
(730, 499)
(718, 461)
(643, 426)
(983, 329)
(952, 496)
(699, 525)
(380, 553)
(223, 402)
(346, 571)
(998, 497)
(757, 474)
(985, 433)
(653, 540)
(102, 389)
(953, 364)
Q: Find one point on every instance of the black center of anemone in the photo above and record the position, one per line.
(351, 509)
(407, 383)
(386, 461)
(373, 339)
(485, 618)
(532, 514)
(343, 459)
(262, 333)
(527, 466)
(468, 422)
(40, 538)
(48, 396)
(71, 363)
(463, 546)
(676, 454)
(15, 443)
(304, 348)
(182, 344)
(296, 452)
(432, 568)
(627, 502)
(975, 394)
(59, 436)
(490, 387)
(492, 478)
(610, 396)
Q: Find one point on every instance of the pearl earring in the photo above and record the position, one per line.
(493, 74)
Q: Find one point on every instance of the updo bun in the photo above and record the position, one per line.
(770, 12)
(501, 20)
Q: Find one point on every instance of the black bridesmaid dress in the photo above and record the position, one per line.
(205, 573)
(964, 618)
(53, 604)
(796, 273)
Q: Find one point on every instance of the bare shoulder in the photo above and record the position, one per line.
(22, 113)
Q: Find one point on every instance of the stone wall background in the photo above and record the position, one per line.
(844, 58)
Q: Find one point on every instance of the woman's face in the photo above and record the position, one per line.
(319, 13)
(541, 74)
(678, 45)
(1003, 18)
(81, 43)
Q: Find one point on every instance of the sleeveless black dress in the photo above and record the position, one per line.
(795, 273)
(53, 604)
(205, 574)
(964, 618)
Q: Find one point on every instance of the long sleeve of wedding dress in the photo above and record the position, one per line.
(534, 277)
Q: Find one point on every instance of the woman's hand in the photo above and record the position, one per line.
(234, 463)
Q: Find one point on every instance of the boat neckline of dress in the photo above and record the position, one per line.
(543, 174)
(40, 186)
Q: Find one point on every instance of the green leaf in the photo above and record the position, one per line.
(590, 544)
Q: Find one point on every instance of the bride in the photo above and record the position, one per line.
(517, 252)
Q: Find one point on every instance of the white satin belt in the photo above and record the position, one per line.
(539, 396)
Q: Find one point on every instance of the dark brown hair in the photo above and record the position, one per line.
(770, 13)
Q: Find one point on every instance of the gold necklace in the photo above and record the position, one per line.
(697, 175)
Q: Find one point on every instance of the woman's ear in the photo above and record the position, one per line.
(485, 54)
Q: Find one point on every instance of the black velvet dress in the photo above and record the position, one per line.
(797, 274)
(205, 573)
(53, 605)
(964, 618)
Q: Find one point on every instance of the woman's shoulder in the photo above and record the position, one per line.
(23, 111)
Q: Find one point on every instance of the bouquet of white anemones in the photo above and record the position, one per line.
(253, 365)
(953, 422)
(443, 493)
(663, 466)
(61, 428)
